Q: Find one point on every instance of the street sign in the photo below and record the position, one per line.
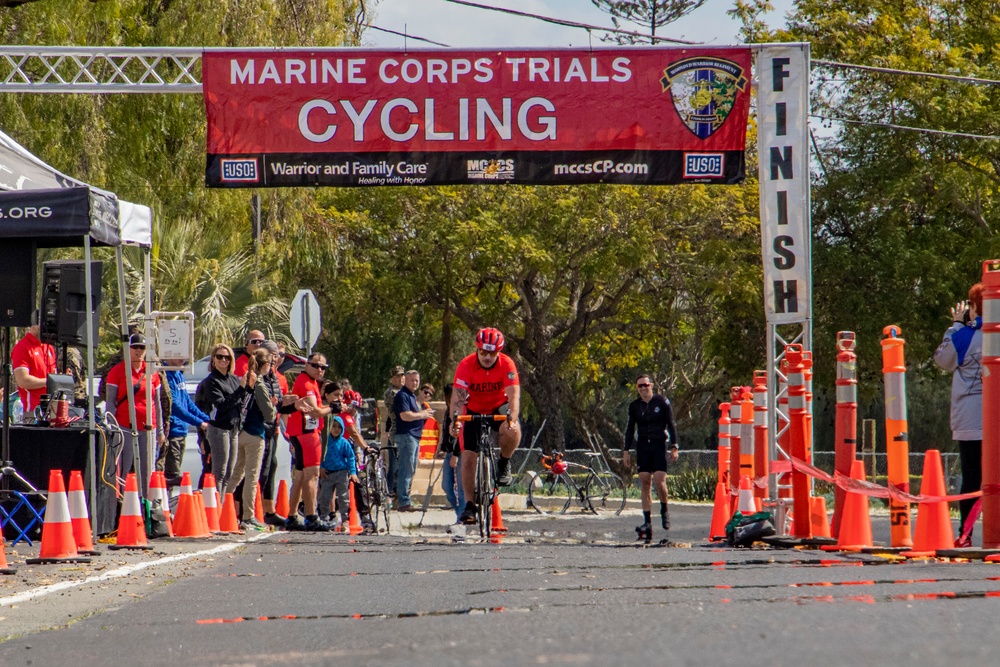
(304, 319)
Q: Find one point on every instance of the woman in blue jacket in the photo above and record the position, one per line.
(183, 413)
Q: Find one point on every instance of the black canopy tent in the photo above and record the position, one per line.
(64, 217)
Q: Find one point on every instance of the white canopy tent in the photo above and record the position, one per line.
(20, 170)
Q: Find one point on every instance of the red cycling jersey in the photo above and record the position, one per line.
(486, 385)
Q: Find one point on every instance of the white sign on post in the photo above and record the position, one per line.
(304, 320)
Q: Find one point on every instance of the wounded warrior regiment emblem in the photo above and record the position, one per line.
(704, 90)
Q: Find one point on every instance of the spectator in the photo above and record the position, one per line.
(450, 481)
(389, 434)
(344, 405)
(277, 387)
(221, 398)
(340, 467)
(32, 361)
(183, 413)
(961, 353)
(117, 403)
(260, 408)
(254, 340)
(410, 419)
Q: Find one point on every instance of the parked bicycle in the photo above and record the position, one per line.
(486, 474)
(375, 488)
(562, 483)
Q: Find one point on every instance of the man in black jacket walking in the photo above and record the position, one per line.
(650, 421)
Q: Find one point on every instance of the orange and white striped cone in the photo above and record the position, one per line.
(208, 494)
(79, 517)
(58, 543)
(158, 494)
(186, 522)
(131, 526)
(4, 567)
(746, 505)
(281, 502)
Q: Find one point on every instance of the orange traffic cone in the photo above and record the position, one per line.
(354, 519)
(720, 513)
(281, 502)
(228, 523)
(58, 543)
(933, 529)
(746, 505)
(856, 523)
(818, 518)
(79, 517)
(158, 494)
(131, 527)
(186, 522)
(496, 517)
(4, 568)
(258, 505)
(200, 516)
(208, 494)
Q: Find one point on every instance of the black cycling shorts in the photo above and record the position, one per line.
(471, 430)
(651, 456)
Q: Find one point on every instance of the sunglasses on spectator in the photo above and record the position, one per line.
(138, 347)
(644, 385)
(427, 391)
(321, 367)
(223, 357)
(255, 341)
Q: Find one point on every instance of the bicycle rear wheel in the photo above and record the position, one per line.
(605, 492)
(550, 493)
(386, 504)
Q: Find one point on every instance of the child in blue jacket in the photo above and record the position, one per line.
(339, 467)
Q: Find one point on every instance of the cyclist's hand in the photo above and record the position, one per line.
(455, 428)
(626, 459)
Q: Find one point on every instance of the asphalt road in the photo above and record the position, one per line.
(556, 590)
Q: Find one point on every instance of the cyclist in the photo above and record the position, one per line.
(486, 383)
(650, 420)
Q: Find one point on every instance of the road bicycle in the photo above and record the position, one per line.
(562, 483)
(375, 487)
(486, 470)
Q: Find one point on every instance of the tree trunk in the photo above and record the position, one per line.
(547, 392)
(444, 361)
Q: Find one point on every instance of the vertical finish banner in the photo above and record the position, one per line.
(782, 140)
(359, 117)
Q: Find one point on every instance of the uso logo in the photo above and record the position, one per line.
(703, 165)
(242, 170)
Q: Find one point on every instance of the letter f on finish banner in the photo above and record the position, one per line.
(783, 95)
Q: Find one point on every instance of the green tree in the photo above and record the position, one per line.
(650, 14)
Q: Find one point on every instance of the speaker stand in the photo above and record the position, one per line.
(8, 472)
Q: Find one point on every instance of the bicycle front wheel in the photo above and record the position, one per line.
(484, 494)
(605, 492)
(386, 504)
(550, 493)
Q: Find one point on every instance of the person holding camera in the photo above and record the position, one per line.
(961, 354)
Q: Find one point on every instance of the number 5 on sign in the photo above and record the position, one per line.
(174, 336)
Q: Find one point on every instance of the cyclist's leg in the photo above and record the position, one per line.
(509, 437)
(468, 463)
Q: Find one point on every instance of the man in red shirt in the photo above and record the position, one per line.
(304, 430)
(253, 342)
(486, 383)
(116, 400)
(32, 361)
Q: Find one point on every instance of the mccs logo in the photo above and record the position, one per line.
(704, 90)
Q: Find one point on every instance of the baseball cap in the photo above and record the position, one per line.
(270, 346)
(397, 370)
(136, 339)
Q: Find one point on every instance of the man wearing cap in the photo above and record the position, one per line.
(389, 434)
(32, 361)
(253, 342)
(116, 400)
(269, 465)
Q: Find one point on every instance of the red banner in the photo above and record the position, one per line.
(655, 115)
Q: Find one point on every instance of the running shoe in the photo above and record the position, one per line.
(294, 523)
(318, 525)
(503, 473)
(665, 518)
(252, 524)
(272, 519)
(470, 515)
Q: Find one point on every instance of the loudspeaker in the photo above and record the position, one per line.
(63, 316)
(17, 282)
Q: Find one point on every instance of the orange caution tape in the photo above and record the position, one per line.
(874, 490)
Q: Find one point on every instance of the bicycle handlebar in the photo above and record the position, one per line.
(481, 418)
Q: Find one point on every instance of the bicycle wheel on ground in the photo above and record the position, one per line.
(605, 492)
(484, 494)
(386, 501)
(550, 493)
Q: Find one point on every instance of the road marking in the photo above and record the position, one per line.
(124, 571)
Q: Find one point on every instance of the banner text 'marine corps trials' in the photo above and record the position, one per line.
(355, 117)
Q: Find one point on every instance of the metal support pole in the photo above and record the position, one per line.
(91, 424)
(127, 360)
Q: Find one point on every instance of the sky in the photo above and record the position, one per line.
(460, 26)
